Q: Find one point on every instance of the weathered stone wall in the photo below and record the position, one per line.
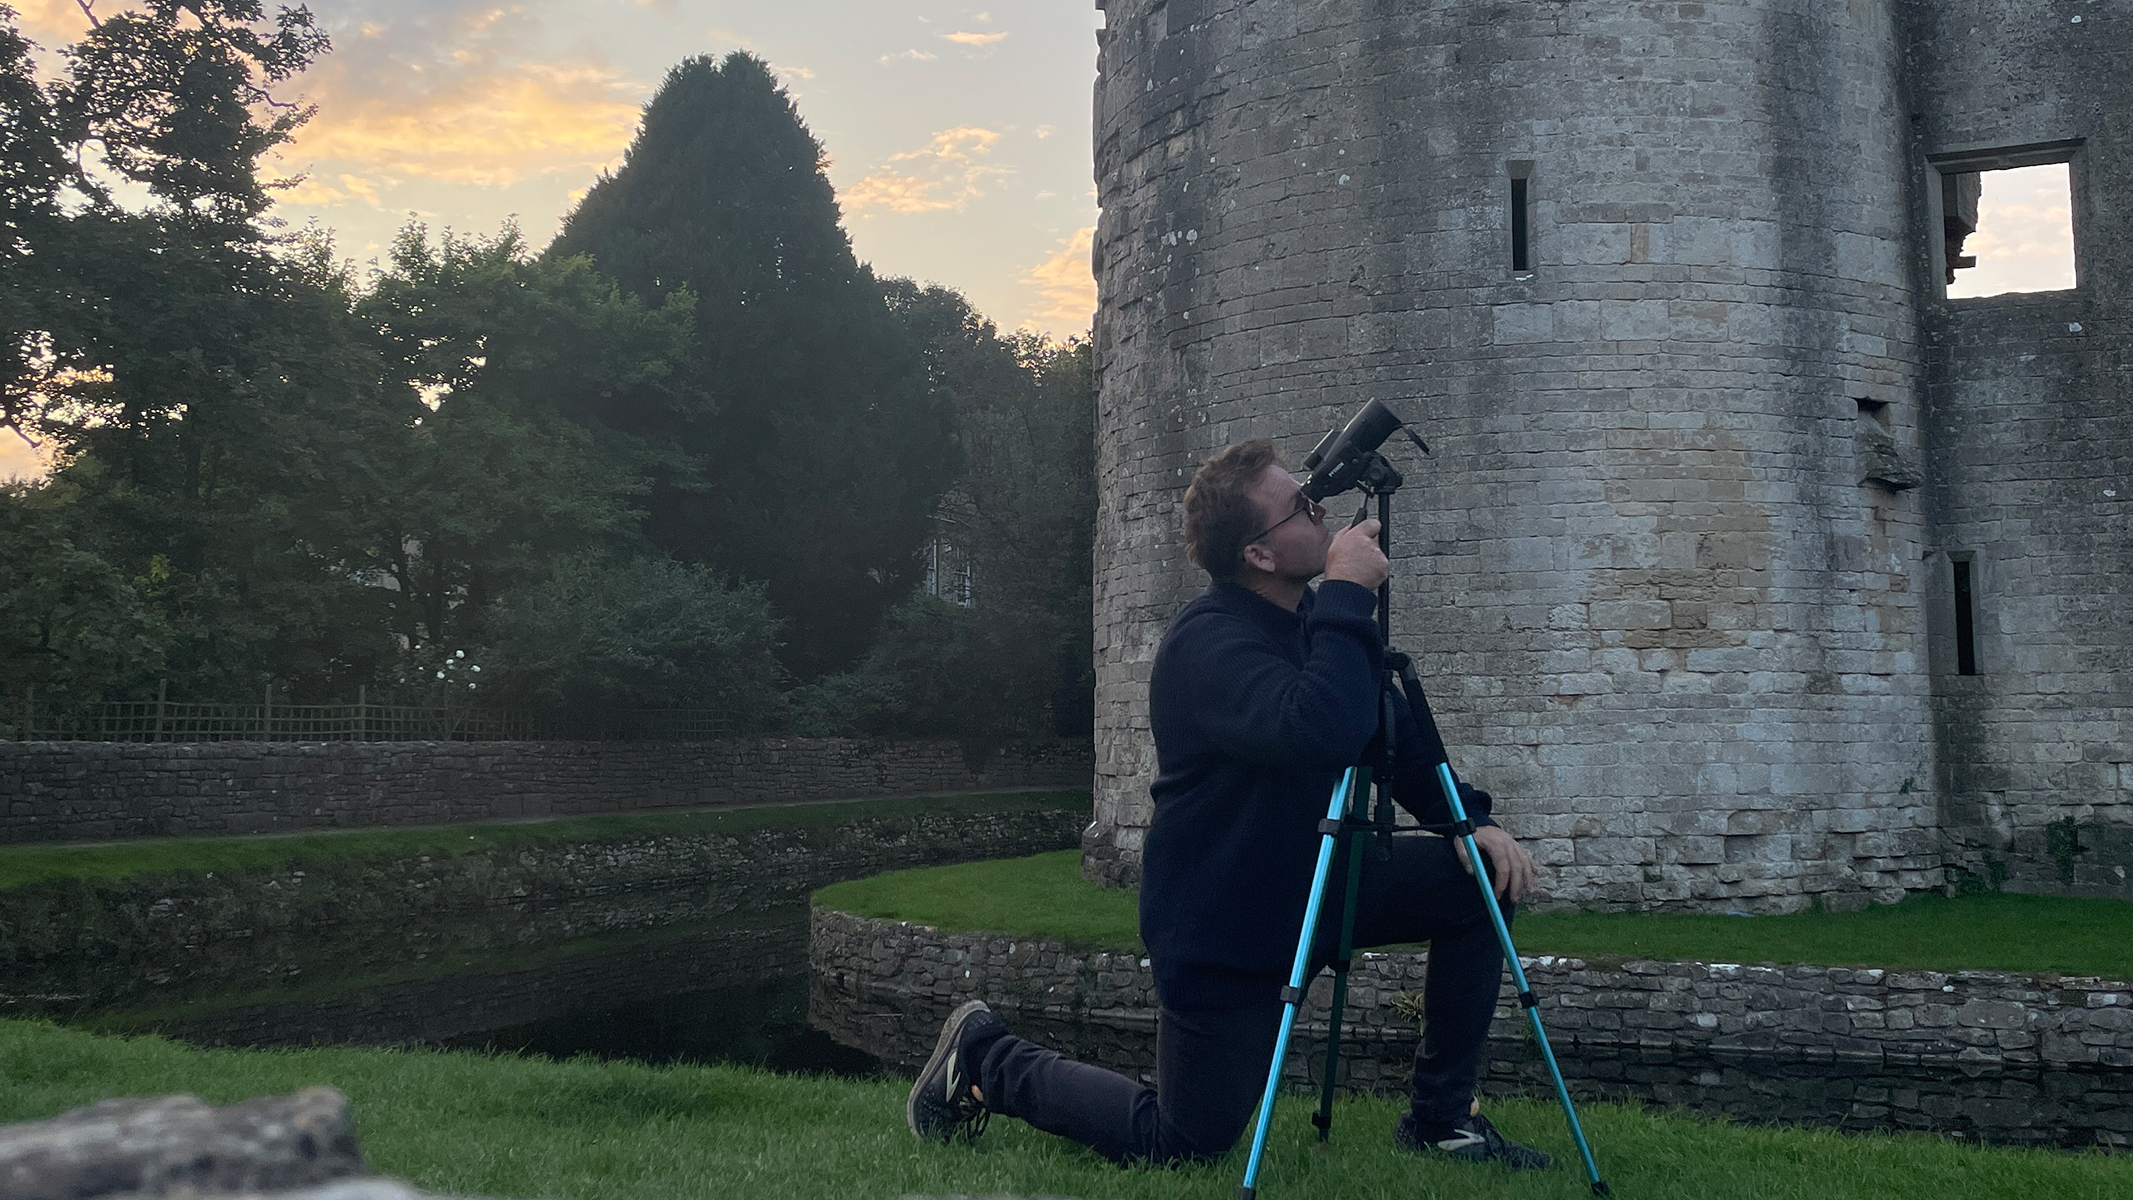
(885, 986)
(2030, 405)
(78, 791)
(70, 946)
(1662, 616)
(1855, 1014)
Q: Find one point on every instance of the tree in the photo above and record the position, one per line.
(643, 632)
(33, 169)
(817, 450)
(210, 399)
(502, 356)
(1017, 662)
(70, 621)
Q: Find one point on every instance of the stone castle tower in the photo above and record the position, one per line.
(1750, 570)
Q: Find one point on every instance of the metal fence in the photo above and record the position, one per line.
(28, 719)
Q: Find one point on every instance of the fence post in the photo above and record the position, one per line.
(266, 714)
(29, 714)
(162, 696)
(362, 713)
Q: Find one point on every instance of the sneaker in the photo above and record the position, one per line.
(1473, 1139)
(942, 1108)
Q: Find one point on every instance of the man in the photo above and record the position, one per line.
(1263, 693)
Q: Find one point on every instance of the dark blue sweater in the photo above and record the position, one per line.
(1256, 711)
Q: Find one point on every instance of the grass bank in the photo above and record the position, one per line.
(1045, 896)
(20, 865)
(472, 1124)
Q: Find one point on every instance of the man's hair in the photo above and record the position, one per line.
(1220, 514)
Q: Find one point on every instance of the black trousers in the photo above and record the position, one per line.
(1211, 1065)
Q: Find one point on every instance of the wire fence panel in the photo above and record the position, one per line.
(29, 719)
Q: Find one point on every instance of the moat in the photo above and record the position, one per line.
(738, 990)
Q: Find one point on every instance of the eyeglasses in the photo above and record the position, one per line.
(1305, 507)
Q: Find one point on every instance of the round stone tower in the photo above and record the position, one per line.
(1641, 276)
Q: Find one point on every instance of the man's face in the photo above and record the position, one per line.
(1296, 537)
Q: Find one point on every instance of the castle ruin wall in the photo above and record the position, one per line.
(1667, 576)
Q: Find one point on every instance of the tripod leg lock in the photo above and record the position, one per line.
(1330, 826)
(1527, 999)
(1292, 995)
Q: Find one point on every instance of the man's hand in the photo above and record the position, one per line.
(1511, 869)
(1355, 557)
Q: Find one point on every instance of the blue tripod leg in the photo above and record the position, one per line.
(1518, 974)
(1292, 996)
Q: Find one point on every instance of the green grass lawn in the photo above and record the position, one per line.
(473, 1124)
(28, 864)
(1045, 896)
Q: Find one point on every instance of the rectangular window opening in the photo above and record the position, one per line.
(1521, 253)
(2007, 225)
(1521, 172)
(1965, 618)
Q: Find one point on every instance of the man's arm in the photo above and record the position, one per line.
(1255, 705)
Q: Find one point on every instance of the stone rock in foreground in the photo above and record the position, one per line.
(181, 1145)
(372, 1188)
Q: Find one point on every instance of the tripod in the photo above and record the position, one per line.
(1343, 822)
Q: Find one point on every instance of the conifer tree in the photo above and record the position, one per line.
(818, 448)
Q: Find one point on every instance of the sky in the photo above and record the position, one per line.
(957, 134)
(2025, 233)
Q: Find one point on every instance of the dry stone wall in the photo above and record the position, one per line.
(81, 791)
(1863, 1015)
(884, 986)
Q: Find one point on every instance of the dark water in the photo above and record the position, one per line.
(762, 1024)
(730, 990)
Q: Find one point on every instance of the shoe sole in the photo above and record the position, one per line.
(941, 1050)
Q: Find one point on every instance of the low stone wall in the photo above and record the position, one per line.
(69, 945)
(886, 985)
(84, 791)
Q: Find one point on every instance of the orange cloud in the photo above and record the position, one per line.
(317, 193)
(964, 37)
(947, 175)
(489, 128)
(1067, 283)
(54, 23)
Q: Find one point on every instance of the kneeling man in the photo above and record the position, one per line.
(1264, 691)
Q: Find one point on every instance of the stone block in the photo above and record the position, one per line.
(182, 1145)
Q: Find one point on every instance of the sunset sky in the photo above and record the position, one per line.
(958, 134)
